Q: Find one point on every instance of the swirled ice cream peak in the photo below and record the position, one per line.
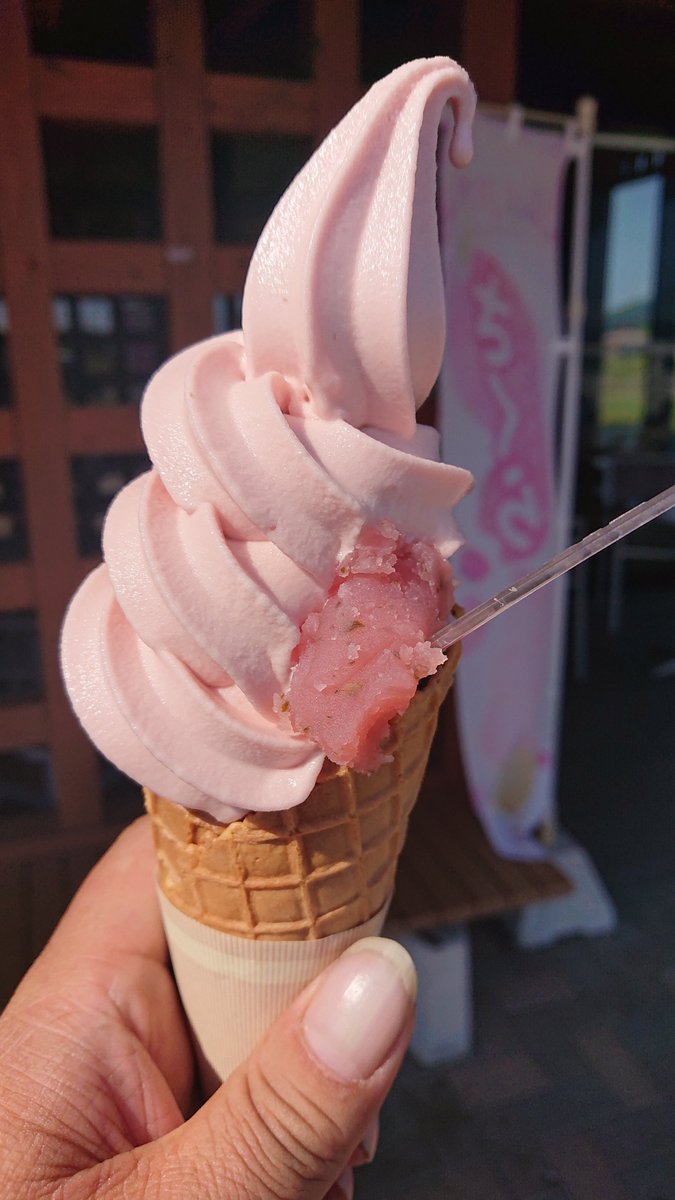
(344, 293)
(276, 452)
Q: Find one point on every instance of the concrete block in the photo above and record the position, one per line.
(587, 910)
(444, 1028)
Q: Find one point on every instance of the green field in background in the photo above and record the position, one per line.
(623, 384)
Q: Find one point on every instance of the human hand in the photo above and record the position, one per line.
(96, 1067)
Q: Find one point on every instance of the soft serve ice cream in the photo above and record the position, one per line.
(286, 461)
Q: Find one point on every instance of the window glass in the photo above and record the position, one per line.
(109, 346)
(102, 181)
(13, 529)
(250, 173)
(26, 777)
(5, 377)
(141, 314)
(584, 48)
(118, 32)
(395, 31)
(20, 669)
(629, 358)
(95, 314)
(122, 797)
(633, 238)
(272, 39)
(96, 480)
(227, 312)
(61, 310)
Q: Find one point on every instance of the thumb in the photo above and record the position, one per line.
(286, 1123)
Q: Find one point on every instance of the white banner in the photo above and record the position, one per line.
(500, 237)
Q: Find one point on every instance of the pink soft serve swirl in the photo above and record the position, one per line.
(272, 450)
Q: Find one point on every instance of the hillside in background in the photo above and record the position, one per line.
(629, 316)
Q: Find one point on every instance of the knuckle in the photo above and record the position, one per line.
(198, 1172)
(125, 1177)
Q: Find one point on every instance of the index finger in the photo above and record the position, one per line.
(116, 910)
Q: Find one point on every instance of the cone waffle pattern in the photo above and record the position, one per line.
(321, 868)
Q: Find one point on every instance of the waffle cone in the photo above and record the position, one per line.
(326, 866)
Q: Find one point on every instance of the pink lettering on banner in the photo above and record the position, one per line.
(503, 389)
(475, 566)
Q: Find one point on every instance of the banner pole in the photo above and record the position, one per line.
(571, 352)
(576, 313)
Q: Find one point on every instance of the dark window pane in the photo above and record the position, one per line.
(26, 781)
(140, 314)
(133, 391)
(20, 670)
(628, 302)
(62, 312)
(250, 173)
(140, 357)
(99, 359)
(5, 378)
(122, 797)
(395, 31)
(104, 392)
(13, 532)
(227, 313)
(558, 62)
(272, 39)
(102, 182)
(109, 346)
(118, 32)
(632, 254)
(96, 314)
(96, 479)
(629, 366)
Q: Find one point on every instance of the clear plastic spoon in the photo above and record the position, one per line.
(555, 567)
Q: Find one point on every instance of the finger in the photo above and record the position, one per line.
(290, 1118)
(116, 907)
(343, 1188)
(367, 1148)
(304, 1101)
(108, 955)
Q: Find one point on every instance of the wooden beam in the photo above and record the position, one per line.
(65, 89)
(30, 847)
(186, 173)
(230, 267)
(247, 104)
(17, 587)
(449, 872)
(15, 925)
(90, 563)
(47, 14)
(108, 267)
(337, 55)
(9, 444)
(234, 21)
(24, 725)
(119, 268)
(39, 409)
(105, 430)
(490, 48)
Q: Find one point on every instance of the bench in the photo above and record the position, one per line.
(448, 876)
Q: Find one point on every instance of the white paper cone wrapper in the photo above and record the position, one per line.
(234, 988)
